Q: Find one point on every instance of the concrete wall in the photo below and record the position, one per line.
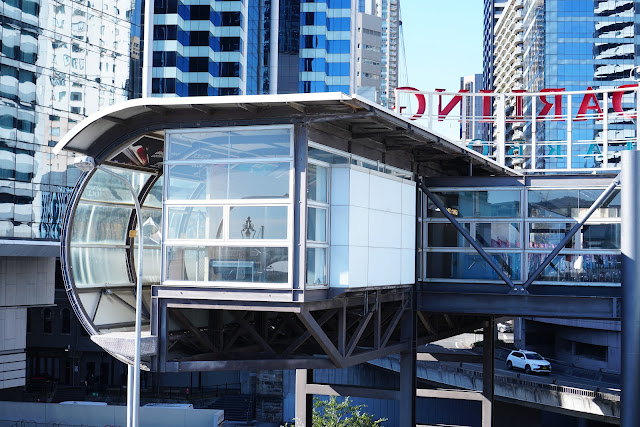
(372, 228)
(55, 413)
(24, 281)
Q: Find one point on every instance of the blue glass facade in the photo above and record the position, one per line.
(574, 45)
(225, 47)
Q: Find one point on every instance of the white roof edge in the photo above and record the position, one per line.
(210, 100)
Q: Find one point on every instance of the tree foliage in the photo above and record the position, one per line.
(334, 413)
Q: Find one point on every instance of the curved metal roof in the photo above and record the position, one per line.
(352, 117)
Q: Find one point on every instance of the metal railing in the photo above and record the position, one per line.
(548, 131)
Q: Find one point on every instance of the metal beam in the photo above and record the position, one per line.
(256, 336)
(488, 360)
(449, 394)
(322, 338)
(307, 334)
(596, 204)
(562, 306)
(358, 333)
(443, 210)
(312, 362)
(352, 391)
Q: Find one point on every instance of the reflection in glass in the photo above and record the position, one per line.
(104, 187)
(548, 235)
(316, 266)
(579, 268)
(601, 236)
(195, 222)
(239, 144)
(492, 203)
(317, 224)
(553, 203)
(258, 222)
(97, 267)
(470, 266)
(317, 183)
(445, 235)
(100, 224)
(458, 203)
(325, 156)
(235, 181)
(498, 234)
(228, 264)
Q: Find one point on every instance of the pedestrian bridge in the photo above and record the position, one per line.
(320, 231)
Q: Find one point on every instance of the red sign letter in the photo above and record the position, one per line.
(547, 105)
(487, 103)
(519, 113)
(616, 100)
(422, 103)
(443, 113)
(584, 106)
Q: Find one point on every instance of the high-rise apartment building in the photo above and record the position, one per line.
(473, 130)
(59, 62)
(265, 46)
(492, 12)
(569, 45)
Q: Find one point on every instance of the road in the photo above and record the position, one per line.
(465, 341)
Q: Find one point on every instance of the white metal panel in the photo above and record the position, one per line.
(385, 229)
(409, 198)
(339, 186)
(358, 226)
(339, 275)
(384, 266)
(358, 265)
(339, 225)
(385, 193)
(359, 188)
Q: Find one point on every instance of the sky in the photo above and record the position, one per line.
(443, 42)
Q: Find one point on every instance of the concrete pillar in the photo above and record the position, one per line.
(304, 401)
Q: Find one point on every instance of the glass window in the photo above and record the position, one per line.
(258, 222)
(317, 224)
(460, 265)
(548, 235)
(100, 224)
(325, 156)
(553, 203)
(498, 234)
(195, 222)
(211, 145)
(492, 203)
(228, 264)
(316, 266)
(97, 266)
(579, 268)
(317, 183)
(601, 236)
(235, 181)
(445, 235)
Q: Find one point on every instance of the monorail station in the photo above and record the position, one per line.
(323, 231)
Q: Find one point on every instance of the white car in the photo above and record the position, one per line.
(530, 361)
(504, 327)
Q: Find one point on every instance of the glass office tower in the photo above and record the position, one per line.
(576, 45)
(60, 61)
(256, 47)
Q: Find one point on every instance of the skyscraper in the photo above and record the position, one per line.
(59, 62)
(265, 46)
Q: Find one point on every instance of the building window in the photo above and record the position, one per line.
(47, 317)
(317, 222)
(230, 19)
(66, 321)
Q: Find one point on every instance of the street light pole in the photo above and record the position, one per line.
(133, 393)
(87, 164)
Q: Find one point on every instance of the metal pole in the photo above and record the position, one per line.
(630, 245)
(492, 263)
(574, 230)
(133, 393)
(147, 59)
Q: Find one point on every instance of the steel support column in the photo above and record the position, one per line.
(488, 359)
(630, 245)
(408, 383)
(304, 401)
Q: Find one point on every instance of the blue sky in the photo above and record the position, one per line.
(443, 41)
